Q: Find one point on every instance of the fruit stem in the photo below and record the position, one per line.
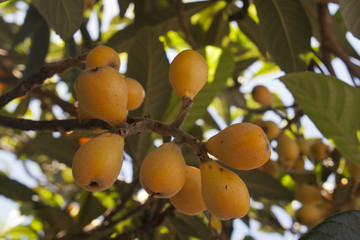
(184, 111)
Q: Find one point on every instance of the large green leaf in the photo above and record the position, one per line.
(46, 144)
(15, 190)
(64, 16)
(350, 11)
(251, 29)
(262, 185)
(149, 65)
(286, 31)
(344, 225)
(332, 105)
(161, 21)
(20, 232)
(39, 48)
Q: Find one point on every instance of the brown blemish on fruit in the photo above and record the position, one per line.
(93, 184)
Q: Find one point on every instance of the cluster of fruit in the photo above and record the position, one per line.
(164, 172)
(103, 93)
(291, 151)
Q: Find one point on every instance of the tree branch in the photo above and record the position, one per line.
(38, 78)
(329, 43)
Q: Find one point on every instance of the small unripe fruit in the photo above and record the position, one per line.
(162, 173)
(308, 194)
(189, 199)
(309, 215)
(299, 164)
(188, 73)
(102, 92)
(271, 168)
(136, 94)
(241, 146)
(288, 151)
(225, 194)
(304, 146)
(319, 150)
(103, 56)
(262, 95)
(270, 128)
(97, 163)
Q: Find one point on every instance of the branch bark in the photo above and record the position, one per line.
(38, 78)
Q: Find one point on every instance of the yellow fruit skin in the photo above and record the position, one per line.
(136, 93)
(103, 56)
(189, 199)
(97, 163)
(308, 194)
(162, 173)
(262, 95)
(83, 114)
(242, 146)
(188, 73)
(225, 194)
(288, 151)
(102, 92)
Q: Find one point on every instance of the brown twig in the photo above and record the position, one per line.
(183, 113)
(184, 26)
(38, 78)
(329, 43)
(147, 226)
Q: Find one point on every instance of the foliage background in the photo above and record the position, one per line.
(297, 42)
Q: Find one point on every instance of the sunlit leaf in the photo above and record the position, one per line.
(149, 65)
(262, 185)
(160, 22)
(332, 105)
(286, 31)
(21, 232)
(64, 16)
(251, 29)
(344, 225)
(350, 11)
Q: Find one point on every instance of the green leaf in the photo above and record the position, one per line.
(6, 33)
(350, 11)
(15, 190)
(188, 227)
(262, 185)
(251, 29)
(20, 232)
(64, 16)
(31, 22)
(344, 225)
(286, 31)
(46, 144)
(160, 21)
(149, 65)
(332, 105)
(39, 47)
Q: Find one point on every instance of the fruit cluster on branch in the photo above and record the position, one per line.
(103, 93)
